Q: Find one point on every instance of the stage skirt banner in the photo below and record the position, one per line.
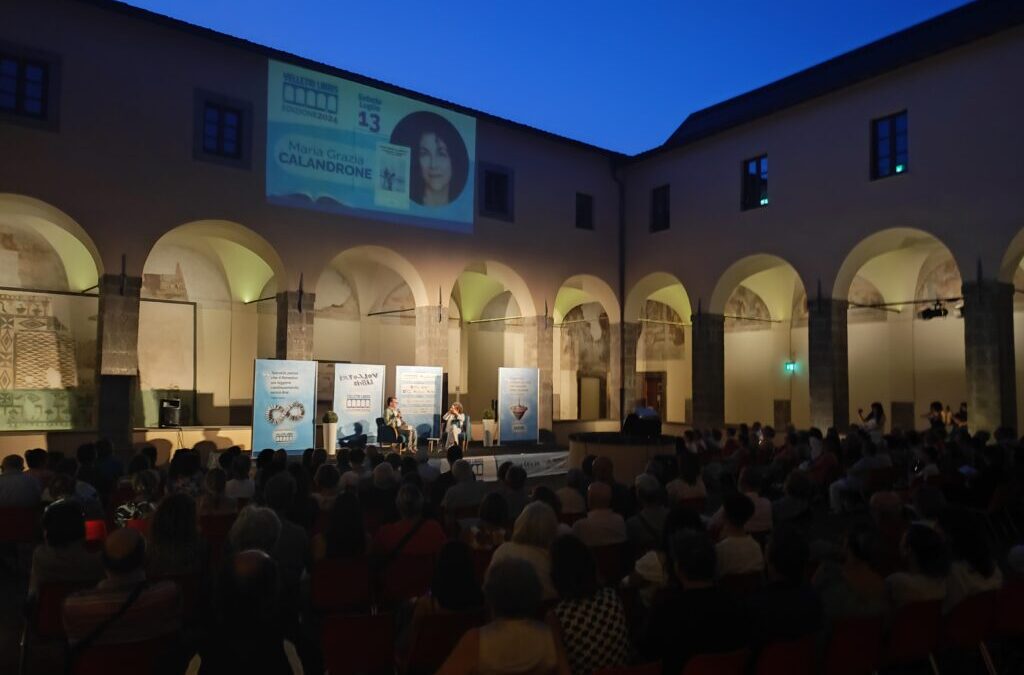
(418, 389)
(536, 464)
(517, 405)
(284, 404)
(358, 399)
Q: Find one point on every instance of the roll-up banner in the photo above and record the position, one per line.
(284, 404)
(517, 405)
(358, 399)
(418, 389)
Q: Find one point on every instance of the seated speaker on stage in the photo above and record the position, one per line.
(393, 419)
(454, 423)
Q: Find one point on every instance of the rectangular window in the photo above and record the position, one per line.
(497, 199)
(889, 149)
(660, 208)
(28, 86)
(584, 211)
(755, 183)
(222, 131)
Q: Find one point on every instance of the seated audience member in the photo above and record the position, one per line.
(184, 474)
(213, 501)
(174, 545)
(644, 530)
(427, 471)
(690, 483)
(927, 563)
(654, 570)
(378, 493)
(143, 501)
(887, 512)
(571, 495)
(36, 460)
(542, 493)
(856, 475)
(794, 506)
(109, 468)
(241, 485)
(787, 608)
(761, 521)
(514, 641)
(292, 551)
(326, 480)
(929, 504)
(737, 552)
(153, 609)
(255, 528)
(602, 526)
(622, 496)
(532, 536)
(491, 528)
(345, 535)
(63, 558)
(86, 457)
(17, 488)
(693, 616)
(515, 490)
(590, 619)
(439, 487)
(304, 509)
(823, 467)
(246, 635)
(852, 586)
(413, 534)
(466, 493)
(150, 453)
(973, 569)
(929, 466)
(65, 485)
(454, 588)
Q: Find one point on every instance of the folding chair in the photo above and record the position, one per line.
(129, 658)
(854, 646)
(969, 623)
(436, 637)
(792, 657)
(341, 585)
(407, 576)
(913, 635)
(363, 643)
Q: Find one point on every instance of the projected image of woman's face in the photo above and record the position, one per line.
(436, 167)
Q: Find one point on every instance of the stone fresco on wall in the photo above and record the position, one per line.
(747, 304)
(799, 310)
(585, 340)
(27, 260)
(939, 278)
(662, 338)
(863, 292)
(165, 286)
(41, 384)
(400, 297)
(344, 304)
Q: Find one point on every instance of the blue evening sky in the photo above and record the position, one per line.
(622, 75)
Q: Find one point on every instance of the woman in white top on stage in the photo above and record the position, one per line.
(454, 421)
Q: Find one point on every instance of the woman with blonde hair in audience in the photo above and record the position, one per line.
(532, 536)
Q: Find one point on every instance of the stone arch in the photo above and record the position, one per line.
(387, 258)
(583, 288)
(661, 287)
(481, 282)
(763, 270)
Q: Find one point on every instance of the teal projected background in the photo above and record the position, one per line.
(339, 146)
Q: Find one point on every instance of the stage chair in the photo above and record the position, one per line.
(855, 645)
(742, 584)
(969, 623)
(407, 576)
(642, 669)
(728, 663)
(434, 639)
(913, 635)
(386, 436)
(358, 644)
(793, 657)
(613, 562)
(341, 585)
(129, 658)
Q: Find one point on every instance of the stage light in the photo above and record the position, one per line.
(790, 367)
(936, 311)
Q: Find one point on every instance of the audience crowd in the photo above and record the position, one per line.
(231, 563)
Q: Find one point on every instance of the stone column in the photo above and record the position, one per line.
(708, 371)
(432, 336)
(295, 325)
(539, 348)
(828, 363)
(991, 368)
(117, 341)
(630, 392)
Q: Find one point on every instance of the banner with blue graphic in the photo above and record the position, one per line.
(418, 389)
(358, 399)
(337, 145)
(284, 404)
(517, 405)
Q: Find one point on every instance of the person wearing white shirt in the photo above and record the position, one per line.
(737, 552)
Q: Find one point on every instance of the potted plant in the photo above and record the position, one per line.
(489, 431)
(330, 421)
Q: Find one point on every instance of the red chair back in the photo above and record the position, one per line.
(728, 663)
(341, 585)
(19, 525)
(358, 644)
(130, 658)
(793, 657)
(214, 530)
(1009, 619)
(643, 669)
(407, 576)
(970, 621)
(914, 633)
(741, 584)
(45, 620)
(854, 646)
(436, 637)
(612, 562)
(95, 534)
(140, 525)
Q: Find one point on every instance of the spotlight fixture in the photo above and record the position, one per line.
(936, 311)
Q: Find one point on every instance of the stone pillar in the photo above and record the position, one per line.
(828, 363)
(432, 336)
(117, 341)
(991, 368)
(629, 385)
(295, 325)
(539, 348)
(708, 371)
